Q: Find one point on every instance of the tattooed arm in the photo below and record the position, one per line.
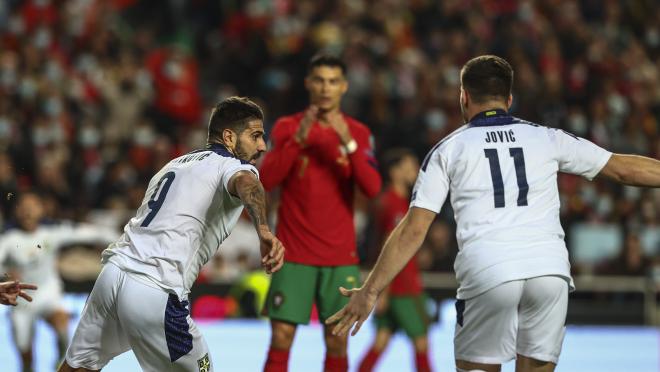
(247, 187)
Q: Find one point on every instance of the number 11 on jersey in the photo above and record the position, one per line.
(496, 174)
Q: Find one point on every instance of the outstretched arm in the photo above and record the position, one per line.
(247, 187)
(399, 248)
(10, 291)
(632, 170)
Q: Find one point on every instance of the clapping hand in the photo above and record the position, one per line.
(311, 115)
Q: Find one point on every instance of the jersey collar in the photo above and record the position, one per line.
(222, 150)
(491, 118)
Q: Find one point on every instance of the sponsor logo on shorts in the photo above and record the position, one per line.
(278, 299)
(204, 363)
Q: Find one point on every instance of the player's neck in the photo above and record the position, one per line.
(220, 143)
(324, 115)
(475, 109)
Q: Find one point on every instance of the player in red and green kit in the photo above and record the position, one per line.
(402, 306)
(318, 158)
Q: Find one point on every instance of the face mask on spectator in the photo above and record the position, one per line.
(5, 128)
(144, 136)
(89, 136)
(173, 70)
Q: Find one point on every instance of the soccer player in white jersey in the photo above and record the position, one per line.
(512, 267)
(140, 301)
(29, 252)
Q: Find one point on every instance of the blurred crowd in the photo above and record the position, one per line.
(96, 95)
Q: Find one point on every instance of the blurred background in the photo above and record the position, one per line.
(97, 95)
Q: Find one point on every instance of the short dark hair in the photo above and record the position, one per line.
(392, 157)
(486, 78)
(233, 113)
(324, 59)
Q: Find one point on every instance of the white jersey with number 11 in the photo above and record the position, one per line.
(501, 173)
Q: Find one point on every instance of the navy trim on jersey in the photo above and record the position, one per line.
(222, 150)
(491, 118)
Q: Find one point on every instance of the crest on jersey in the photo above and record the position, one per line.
(204, 363)
(278, 299)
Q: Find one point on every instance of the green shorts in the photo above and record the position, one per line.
(295, 287)
(407, 313)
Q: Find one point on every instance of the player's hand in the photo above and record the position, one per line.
(354, 313)
(337, 122)
(310, 116)
(272, 252)
(10, 291)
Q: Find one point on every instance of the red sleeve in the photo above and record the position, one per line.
(280, 159)
(364, 165)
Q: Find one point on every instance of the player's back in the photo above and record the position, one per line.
(501, 172)
(185, 214)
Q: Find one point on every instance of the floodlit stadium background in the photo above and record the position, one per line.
(96, 95)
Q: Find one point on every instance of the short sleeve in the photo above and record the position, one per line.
(432, 184)
(234, 167)
(579, 156)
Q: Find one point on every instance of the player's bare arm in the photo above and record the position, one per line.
(10, 291)
(247, 187)
(399, 248)
(632, 170)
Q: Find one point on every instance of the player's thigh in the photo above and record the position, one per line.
(487, 325)
(542, 318)
(160, 330)
(328, 298)
(385, 321)
(410, 314)
(22, 325)
(99, 336)
(291, 293)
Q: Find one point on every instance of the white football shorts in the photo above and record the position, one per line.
(124, 313)
(525, 317)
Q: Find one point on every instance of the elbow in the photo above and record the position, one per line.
(372, 189)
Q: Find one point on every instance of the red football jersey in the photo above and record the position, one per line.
(391, 209)
(315, 217)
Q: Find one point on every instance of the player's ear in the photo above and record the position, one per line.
(509, 101)
(464, 97)
(229, 138)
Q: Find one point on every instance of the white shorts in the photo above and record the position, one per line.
(123, 313)
(45, 302)
(525, 317)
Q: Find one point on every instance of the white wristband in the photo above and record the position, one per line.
(351, 146)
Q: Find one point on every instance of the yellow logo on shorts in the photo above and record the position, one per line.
(204, 364)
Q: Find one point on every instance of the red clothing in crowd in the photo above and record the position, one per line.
(391, 209)
(176, 83)
(315, 219)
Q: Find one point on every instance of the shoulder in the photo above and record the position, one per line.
(288, 120)
(452, 137)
